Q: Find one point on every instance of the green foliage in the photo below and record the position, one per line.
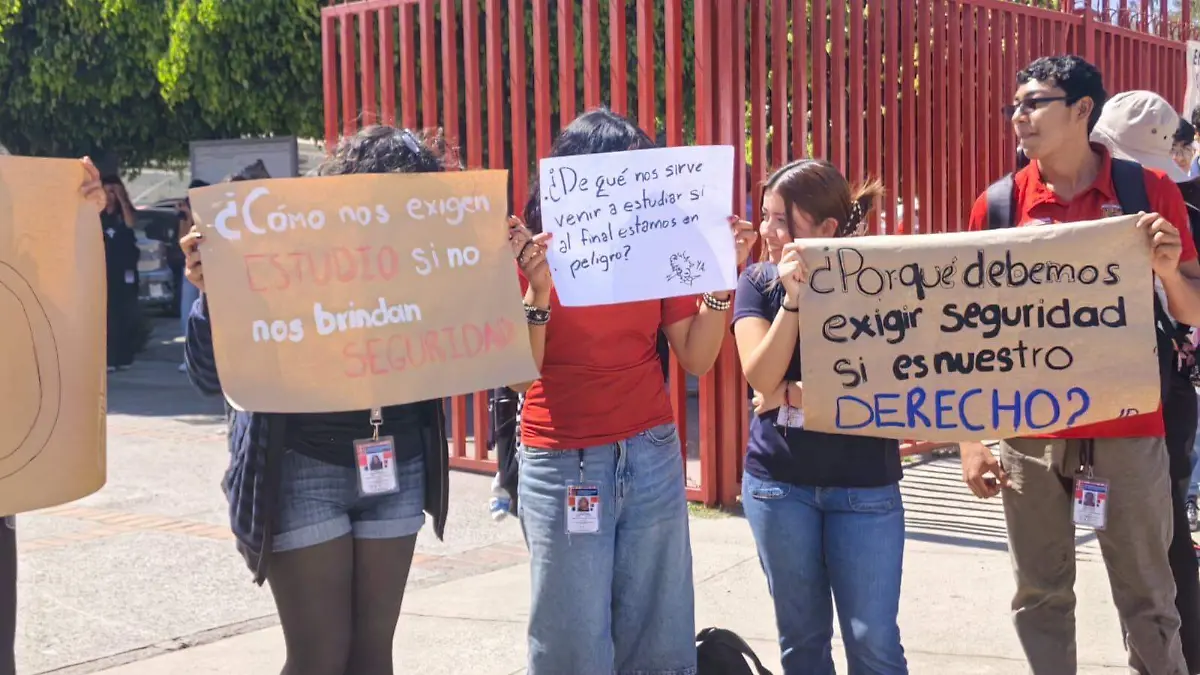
(141, 78)
(250, 66)
(78, 76)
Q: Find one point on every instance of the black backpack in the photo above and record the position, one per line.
(722, 652)
(1130, 183)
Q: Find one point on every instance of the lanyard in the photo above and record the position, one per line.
(581, 467)
(376, 422)
(1087, 457)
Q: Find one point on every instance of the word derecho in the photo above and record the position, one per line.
(1012, 341)
(361, 276)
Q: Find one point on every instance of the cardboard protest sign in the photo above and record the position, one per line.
(351, 292)
(1191, 98)
(52, 336)
(984, 335)
(639, 225)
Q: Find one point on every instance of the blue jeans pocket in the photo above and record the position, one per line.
(762, 490)
(663, 434)
(535, 454)
(874, 500)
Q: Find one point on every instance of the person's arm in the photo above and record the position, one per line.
(695, 330)
(533, 271)
(198, 350)
(1181, 283)
(766, 337)
(127, 210)
(537, 334)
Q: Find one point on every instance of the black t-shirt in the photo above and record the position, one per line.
(805, 457)
(121, 253)
(329, 437)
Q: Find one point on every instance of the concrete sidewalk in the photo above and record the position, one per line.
(142, 578)
(954, 614)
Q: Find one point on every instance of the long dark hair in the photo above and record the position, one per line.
(593, 132)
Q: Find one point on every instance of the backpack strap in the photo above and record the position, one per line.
(1001, 203)
(1129, 180)
(733, 640)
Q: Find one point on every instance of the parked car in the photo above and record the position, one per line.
(156, 230)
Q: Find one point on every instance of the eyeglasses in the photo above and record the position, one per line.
(1030, 104)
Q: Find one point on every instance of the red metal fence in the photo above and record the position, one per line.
(909, 91)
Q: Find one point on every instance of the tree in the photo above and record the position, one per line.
(142, 78)
(250, 66)
(78, 77)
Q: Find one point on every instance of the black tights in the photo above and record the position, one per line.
(339, 603)
(8, 596)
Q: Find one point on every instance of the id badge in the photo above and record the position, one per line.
(1091, 502)
(376, 460)
(583, 509)
(790, 417)
(129, 276)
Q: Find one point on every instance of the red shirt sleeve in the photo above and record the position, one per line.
(678, 309)
(977, 221)
(1165, 198)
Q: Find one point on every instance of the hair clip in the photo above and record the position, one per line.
(410, 141)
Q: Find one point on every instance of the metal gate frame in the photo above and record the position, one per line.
(969, 57)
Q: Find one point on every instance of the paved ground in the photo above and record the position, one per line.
(141, 578)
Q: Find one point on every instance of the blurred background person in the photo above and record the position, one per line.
(121, 256)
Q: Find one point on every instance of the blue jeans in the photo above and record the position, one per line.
(621, 600)
(188, 294)
(848, 542)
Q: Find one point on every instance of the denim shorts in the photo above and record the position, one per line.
(319, 502)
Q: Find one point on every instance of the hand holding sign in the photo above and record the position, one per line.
(792, 274)
(191, 251)
(530, 253)
(1165, 244)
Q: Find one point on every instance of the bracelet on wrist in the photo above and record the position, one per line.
(536, 316)
(789, 309)
(717, 305)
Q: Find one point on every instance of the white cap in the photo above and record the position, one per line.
(1140, 126)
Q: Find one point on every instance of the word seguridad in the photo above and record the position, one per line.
(306, 306)
(618, 218)
(1016, 341)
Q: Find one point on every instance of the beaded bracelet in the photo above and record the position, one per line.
(536, 316)
(717, 305)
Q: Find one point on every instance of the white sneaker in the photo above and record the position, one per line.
(183, 367)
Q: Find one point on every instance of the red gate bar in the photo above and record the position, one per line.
(908, 92)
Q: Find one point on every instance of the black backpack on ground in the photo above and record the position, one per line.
(1130, 183)
(723, 652)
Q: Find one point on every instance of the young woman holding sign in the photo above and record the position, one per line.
(335, 549)
(612, 585)
(825, 509)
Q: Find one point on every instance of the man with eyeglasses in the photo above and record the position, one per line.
(1069, 179)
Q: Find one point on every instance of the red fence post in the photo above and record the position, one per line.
(880, 87)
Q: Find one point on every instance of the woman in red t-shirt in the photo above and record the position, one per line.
(612, 583)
